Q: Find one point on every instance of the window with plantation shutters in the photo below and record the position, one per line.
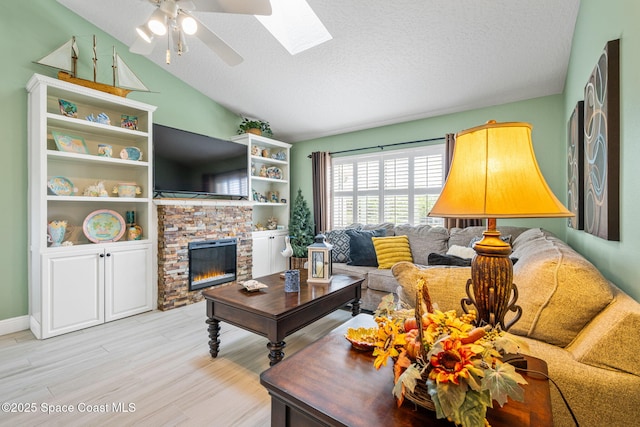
(396, 186)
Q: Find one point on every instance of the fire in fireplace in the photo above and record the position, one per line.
(211, 263)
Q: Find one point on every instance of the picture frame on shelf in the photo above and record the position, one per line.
(69, 143)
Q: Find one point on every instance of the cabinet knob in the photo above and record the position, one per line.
(108, 254)
(101, 255)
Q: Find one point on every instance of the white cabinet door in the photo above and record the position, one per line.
(266, 253)
(127, 278)
(261, 256)
(73, 291)
(278, 262)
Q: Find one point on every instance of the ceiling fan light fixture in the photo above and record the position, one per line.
(144, 33)
(187, 24)
(158, 23)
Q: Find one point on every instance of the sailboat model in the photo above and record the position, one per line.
(65, 59)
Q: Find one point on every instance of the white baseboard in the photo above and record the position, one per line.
(15, 324)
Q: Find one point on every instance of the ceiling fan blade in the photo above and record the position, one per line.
(186, 4)
(216, 44)
(141, 47)
(247, 7)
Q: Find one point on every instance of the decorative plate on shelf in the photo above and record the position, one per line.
(69, 143)
(131, 153)
(61, 186)
(103, 225)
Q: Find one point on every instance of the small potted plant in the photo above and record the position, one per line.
(257, 127)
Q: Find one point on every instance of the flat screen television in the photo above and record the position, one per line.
(186, 164)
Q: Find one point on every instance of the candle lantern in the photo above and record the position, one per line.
(319, 260)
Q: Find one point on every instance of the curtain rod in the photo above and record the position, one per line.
(382, 147)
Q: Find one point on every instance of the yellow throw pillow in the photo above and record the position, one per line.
(392, 249)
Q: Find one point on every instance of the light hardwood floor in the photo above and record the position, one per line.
(158, 362)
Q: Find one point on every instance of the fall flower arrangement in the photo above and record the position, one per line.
(445, 360)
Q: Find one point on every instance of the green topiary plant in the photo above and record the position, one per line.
(247, 125)
(301, 227)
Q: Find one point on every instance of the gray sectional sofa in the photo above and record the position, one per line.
(583, 326)
(423, 240)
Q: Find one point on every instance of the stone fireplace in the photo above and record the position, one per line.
(181, 222)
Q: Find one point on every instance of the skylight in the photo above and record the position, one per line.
(295, 25)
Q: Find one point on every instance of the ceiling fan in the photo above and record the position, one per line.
(174, 19)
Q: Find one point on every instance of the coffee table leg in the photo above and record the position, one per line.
(275, 352)
(214, 336)
(355, 307)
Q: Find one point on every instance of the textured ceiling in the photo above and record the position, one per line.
(388, 62)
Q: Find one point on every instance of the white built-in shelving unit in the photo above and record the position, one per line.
(82, 283)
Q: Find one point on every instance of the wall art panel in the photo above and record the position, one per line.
(602, 146)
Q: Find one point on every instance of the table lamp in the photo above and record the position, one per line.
(494, 174)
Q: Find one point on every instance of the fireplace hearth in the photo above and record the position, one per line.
(212, 263)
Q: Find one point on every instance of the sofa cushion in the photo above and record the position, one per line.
(382, 280)
(361, 250)
(386, 225)
(423, 240)
(463, 236)
(476, 239)
(446, 285)
(559, 290)
(391, 249)
(354, 270)
(340, 241)
(606, 341)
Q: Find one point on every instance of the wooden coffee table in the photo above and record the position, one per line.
(329, 383)
(274, 313)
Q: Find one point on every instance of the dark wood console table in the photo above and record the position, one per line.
(329, 384)
(274, 313)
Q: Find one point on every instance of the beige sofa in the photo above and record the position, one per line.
(584, 327)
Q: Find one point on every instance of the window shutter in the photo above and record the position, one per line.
(397, 186)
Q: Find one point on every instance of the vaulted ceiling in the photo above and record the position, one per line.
(388, 61)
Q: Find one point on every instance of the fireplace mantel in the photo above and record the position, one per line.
(200, 202)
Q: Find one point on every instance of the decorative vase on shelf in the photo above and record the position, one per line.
(134, 231)
(254, 131)
(56, 229)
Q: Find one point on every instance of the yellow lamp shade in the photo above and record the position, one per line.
(494, 174)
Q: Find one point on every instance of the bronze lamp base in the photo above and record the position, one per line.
(494, 293)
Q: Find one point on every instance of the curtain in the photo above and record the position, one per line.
(320, 172)
(449, 223)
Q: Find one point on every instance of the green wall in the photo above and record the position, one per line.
(28, 31)
(548, 135)
(598, 22)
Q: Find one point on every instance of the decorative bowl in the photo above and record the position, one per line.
(127, 189)
(361, 338)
